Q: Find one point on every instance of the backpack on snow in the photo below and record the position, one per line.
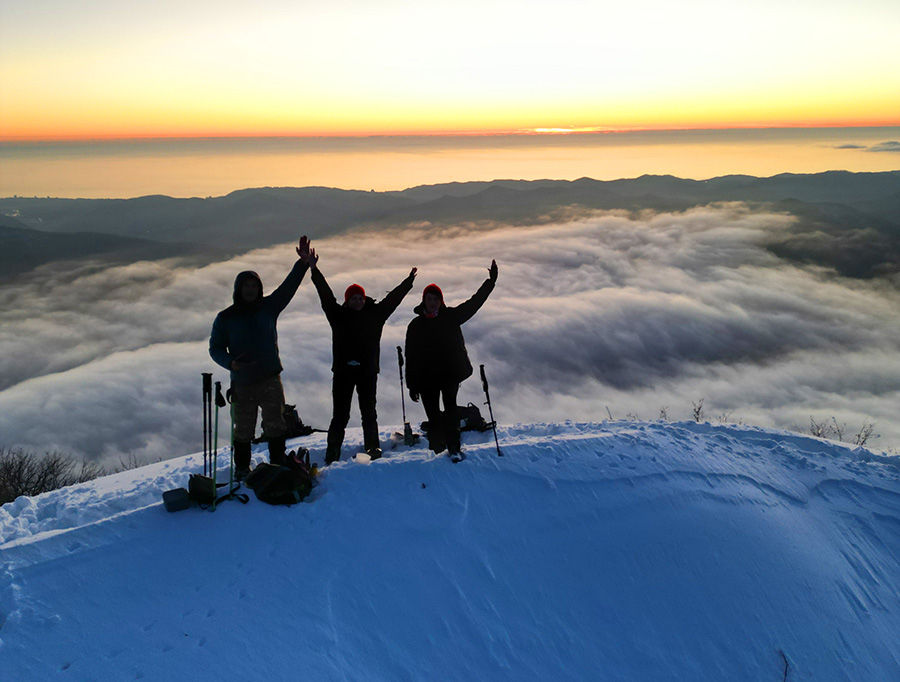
(469, 419)
(295, 425)
(287, 483)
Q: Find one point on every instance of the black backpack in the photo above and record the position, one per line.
(469, 418)
(295, 425)
(287, 483)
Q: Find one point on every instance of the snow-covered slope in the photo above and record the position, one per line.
(616, 551)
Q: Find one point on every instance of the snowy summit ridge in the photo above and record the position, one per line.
(615, 551)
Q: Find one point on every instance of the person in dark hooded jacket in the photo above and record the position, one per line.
(437, 361)
(356, 327)
(244, 340)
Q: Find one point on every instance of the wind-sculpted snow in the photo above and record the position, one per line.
(611, 551)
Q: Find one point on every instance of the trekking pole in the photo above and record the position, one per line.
(207, 417)
(231, 420)
(220, 402)
(232, 494)
(487, 395)
(408, 437)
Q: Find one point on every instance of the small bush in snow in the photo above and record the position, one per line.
(27, 472)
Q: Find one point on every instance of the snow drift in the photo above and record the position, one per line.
(615, 551)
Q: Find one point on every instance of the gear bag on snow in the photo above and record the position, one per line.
(469, 418)
(288, 483)
(293, 423)
(205, 492)
(202, 489)
(176, 500)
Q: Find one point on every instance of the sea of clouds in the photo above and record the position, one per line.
(605, 314)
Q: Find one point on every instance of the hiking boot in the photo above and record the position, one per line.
(241, 456)
(240, 473)
(436, 444)
(374, 453)
(332, 456)
(276, 450)
(455, 454)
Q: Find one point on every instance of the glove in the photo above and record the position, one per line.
(413, 395)
(492, 271)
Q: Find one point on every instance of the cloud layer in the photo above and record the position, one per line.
(627, 312)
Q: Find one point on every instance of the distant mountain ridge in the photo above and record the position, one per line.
(24, 249)
(830, 206)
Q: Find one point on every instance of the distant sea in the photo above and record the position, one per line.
(199, 167)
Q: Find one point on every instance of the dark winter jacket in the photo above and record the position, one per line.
(246, 331)
(435, 349)
(356, 334)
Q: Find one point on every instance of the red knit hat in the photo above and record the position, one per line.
(352, 290)
(433, 289)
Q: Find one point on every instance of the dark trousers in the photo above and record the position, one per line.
(267, 397)
(443, 428)
(365, 383)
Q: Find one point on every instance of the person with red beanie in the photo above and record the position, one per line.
(437, 361)
(356, 328)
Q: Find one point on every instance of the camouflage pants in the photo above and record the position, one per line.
(266, 396)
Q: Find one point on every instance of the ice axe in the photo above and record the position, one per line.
(487, 394)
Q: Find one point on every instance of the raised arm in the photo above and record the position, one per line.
(390, 302)
(326, 295)
(468, 308)
(286, 290)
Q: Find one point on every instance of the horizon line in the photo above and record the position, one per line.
(555, 131)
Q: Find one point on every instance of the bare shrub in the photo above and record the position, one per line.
(832, 430)
(698, 410)
(27, 472)
(127, 463)
(866, 431)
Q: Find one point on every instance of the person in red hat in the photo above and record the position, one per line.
(437, 361)
(356, 327)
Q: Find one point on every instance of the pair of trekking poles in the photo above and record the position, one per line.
(211, 442)
(409, 438)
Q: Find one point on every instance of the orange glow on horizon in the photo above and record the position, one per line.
(536, 131)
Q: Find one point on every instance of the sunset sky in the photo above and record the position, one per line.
(98, 68)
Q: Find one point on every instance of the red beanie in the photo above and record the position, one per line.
(433, 289)
(352, 290)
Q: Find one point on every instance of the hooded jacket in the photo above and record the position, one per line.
(356, 334)
(435, 349)
(246, 331)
